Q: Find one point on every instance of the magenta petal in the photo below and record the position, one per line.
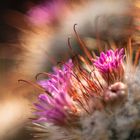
(121, 53)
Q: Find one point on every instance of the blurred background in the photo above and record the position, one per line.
(33, 37)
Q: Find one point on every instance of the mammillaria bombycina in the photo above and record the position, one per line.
(90, 97)
(84, 98)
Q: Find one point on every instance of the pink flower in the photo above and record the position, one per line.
(46, 12)
(56, 107)
(110, 65)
